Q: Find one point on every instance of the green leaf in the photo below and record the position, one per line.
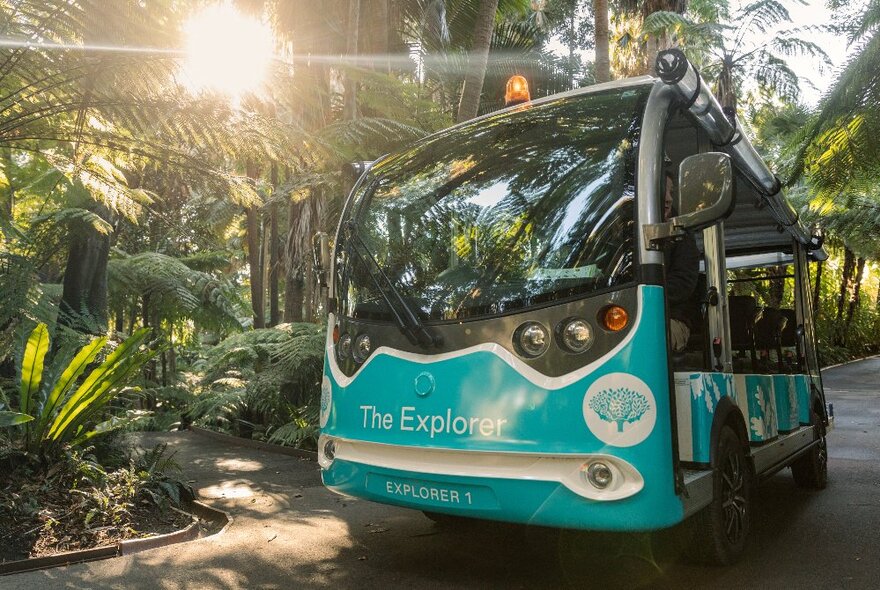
(99, 387)
(114, 423)
(8, 419)
(32, 366)
(68, 377)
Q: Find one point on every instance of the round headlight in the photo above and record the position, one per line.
(343, 348)
(326, 451)
(531, 339)
(330, 449)
(599, 475)
(362, 348)
(576, 335)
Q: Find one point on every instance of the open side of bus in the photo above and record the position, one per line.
(498, 342)
(752, 363)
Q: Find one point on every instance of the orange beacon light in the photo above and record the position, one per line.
(517, 91)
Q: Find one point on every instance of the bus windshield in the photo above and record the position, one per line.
(510, 211)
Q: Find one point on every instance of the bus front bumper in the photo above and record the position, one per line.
(557, 490)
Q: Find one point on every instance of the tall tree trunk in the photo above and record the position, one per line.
(252, 215)
(351, 49)
(571, 45)
(309, 290)
(849, 263)
(8, 169)
(256, 274)
(293, 288)
(600, 22)
(84, 299)
(147, 319)
(725, 88)
(655, 44)
(119, 317)
(264, 260)
(477, 61)
(849, 260)
(856, 296)
(375, 33)
(274, 261)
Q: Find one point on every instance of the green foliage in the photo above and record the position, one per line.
(265, 384)
(176, 290)
(67, 409)
(861, 331)
(80, 502)
(838, 148)
(24, 299)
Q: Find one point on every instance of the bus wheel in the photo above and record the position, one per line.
(811, 469)
(720, 530)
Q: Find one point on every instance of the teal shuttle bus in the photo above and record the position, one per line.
(498, 342)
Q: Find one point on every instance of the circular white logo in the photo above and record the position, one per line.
(326, 401)
(620, 410)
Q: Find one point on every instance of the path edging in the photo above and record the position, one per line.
(849, 362)
(125, 547)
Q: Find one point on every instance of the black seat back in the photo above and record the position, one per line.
(744, 312)
(768, 330)
(788, 337)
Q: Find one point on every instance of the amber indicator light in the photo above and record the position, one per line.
(614, 318)
(335, 334)
(517, 91)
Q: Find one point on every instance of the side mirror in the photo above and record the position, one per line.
(705, 196)
(705, 192)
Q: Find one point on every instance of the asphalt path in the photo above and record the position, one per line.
(290, 532)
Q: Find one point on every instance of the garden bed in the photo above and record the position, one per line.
(58, 527)
(75, 503)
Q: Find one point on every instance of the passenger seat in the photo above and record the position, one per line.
(744, 313)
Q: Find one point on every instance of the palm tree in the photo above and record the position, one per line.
(96, 116)
(838, 148)
(477, 60)
(729, 53)
(603, 63)
(639, 42)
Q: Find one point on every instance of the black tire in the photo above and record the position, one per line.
(720, 531)
(810, 470)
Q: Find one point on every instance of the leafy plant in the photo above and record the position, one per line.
(83, 500)
(265, 383)
(66, 409)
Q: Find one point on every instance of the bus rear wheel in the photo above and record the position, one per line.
(721, 529)
(811, 469)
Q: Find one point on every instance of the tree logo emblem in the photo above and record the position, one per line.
(620, 406)
(620, 410)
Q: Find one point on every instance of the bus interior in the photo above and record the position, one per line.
(764, 297)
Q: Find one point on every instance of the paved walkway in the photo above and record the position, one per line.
(289, 532)
(279, 509)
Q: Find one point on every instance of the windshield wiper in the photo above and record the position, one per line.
(406, 319)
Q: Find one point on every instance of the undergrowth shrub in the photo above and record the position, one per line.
(265, 384)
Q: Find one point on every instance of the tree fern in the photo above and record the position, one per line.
(271, 374)
(175, 290)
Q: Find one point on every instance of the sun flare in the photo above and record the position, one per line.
(226, 51)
